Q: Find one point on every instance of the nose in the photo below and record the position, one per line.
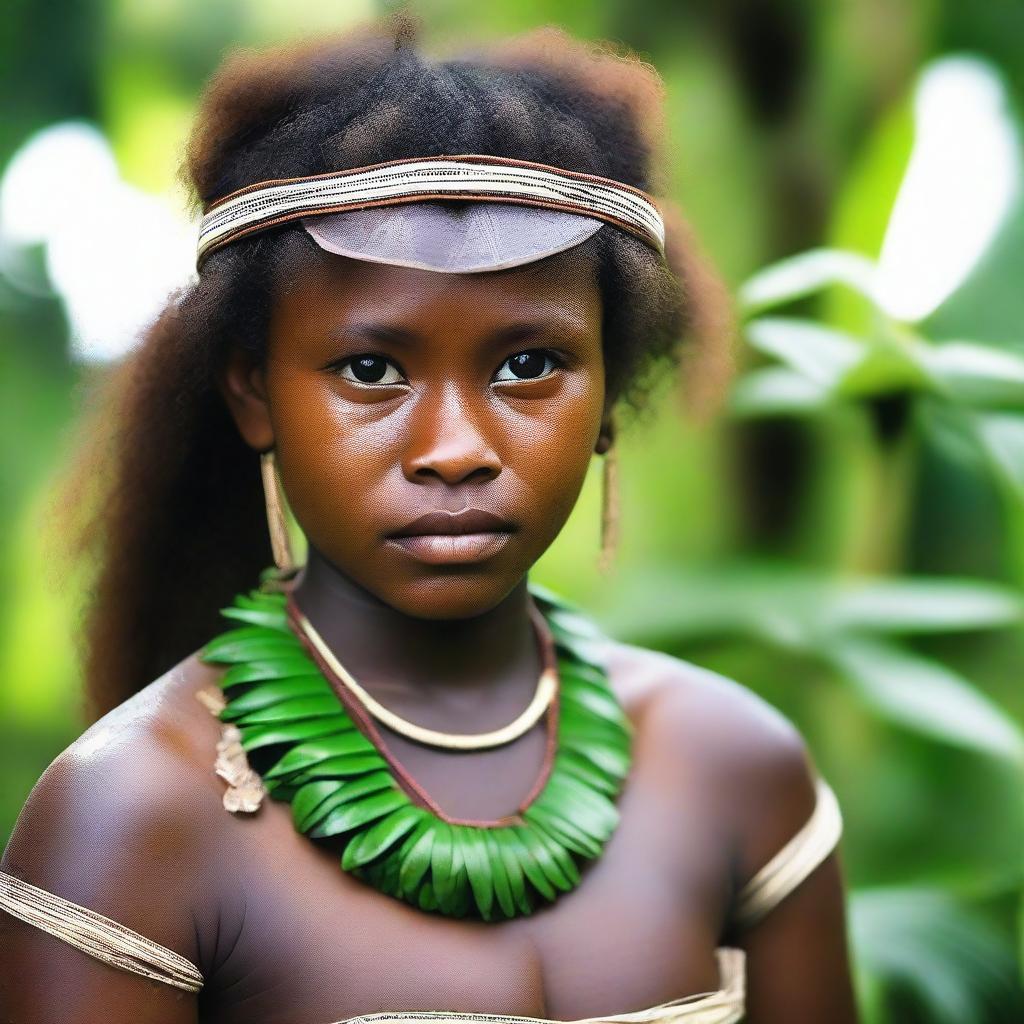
(448, 439)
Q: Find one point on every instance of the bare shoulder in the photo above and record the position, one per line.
(121, 821)
(146, 759)
(699, 724)
(702, 707)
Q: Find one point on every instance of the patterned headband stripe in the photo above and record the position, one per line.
(267, 204)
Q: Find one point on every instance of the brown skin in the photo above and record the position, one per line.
(128, 820)
(359, 460)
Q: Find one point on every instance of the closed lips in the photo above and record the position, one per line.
(470, 520)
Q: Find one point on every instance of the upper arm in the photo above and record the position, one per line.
(758, 783)
(106, 829)
(797, 953)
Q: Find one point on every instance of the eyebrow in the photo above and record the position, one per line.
(389, 333)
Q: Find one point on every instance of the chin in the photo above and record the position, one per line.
(456, 594)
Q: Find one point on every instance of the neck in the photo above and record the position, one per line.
(390, 652)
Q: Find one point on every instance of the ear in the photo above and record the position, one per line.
(242, 383)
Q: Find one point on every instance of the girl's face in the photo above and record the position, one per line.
(390, 392)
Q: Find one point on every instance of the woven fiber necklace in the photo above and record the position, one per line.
(325, 757)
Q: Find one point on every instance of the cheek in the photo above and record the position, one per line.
(556, 438)
(549, 447)
(329, 455)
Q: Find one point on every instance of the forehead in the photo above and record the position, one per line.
(333, 288)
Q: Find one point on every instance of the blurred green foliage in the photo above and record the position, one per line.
(847, 539)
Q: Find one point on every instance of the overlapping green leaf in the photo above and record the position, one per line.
(359, 812)
(293, 709)
(314, 800)
(274, 692)
(473, 849)
(504, 842)
(566, 832)
(339, 784)
(284, 667)
(344, 739)
(427, 899)
(246, 644)
(592, 701)
(529, 861)
(271, 618)
(540, 852)
(442, 864)
(308, 798)
(503, 884)
(415, 856)
(586, 771)
(291, 732)
(342, 767)
(381, 836)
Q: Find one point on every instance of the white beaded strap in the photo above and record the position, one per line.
(470, 176)
(795, 861)
(96, 935)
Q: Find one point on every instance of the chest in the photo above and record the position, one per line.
(316, 946)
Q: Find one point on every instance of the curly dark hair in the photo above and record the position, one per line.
(174, 523)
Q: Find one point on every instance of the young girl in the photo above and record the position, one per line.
(427, 786)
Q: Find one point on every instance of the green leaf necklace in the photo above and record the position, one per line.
(325, 756)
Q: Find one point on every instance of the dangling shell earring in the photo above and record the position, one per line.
(280, 541)
(609, 507)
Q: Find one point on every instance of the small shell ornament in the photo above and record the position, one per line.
(245, 790)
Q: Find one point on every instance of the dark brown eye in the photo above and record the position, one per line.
(371, 369)
(528, 365)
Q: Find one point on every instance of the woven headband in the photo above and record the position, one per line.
(472, 176)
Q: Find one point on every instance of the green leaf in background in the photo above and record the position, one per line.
(976, 374)
(820, 353)
(799, 276)
(920, 943)
(927, 697)
(1002, 437)
(891, 364)
(863, 207)
(769, 601)
(989, 305)
(776, 391)
(922, 605)
(802, 610)
(844, 365)
(955, 237)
